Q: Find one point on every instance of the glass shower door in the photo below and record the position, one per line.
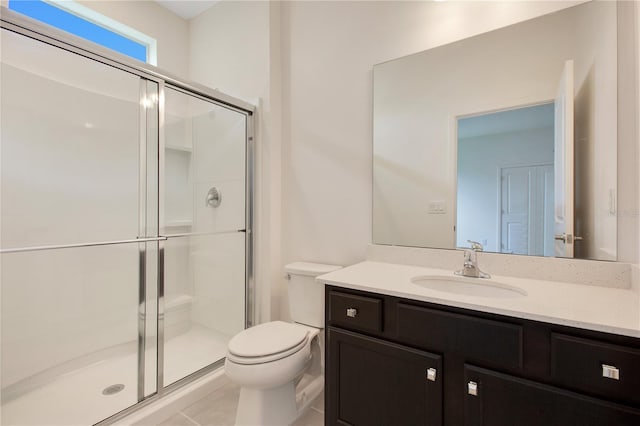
(203, 216)
(78, 235)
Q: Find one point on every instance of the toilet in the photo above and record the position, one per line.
(279, 365)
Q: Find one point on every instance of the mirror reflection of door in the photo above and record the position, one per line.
(505, 180)
(526, 216)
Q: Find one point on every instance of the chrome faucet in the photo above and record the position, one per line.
(470, 267)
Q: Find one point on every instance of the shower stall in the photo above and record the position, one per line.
(125, 229)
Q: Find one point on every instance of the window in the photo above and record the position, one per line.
(90, 25)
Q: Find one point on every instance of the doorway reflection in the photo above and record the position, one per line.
(505, 180)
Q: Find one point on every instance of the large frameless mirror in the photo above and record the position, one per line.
(508, 138)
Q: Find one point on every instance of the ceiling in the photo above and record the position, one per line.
(187, 9)
(535, 117)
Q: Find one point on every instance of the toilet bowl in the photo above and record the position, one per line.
(269, 360)
(267, 377)
(270, 354)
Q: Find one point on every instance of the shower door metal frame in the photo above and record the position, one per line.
(33, 29)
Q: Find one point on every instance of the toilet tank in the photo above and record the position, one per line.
(306, 296)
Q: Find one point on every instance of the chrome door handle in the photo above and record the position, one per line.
(567, 238)
(472, 388)
(610, 372)
(560, 237)
(431, 374)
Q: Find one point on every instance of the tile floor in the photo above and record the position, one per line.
(219, 409)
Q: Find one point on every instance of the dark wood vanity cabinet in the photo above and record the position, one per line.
(505, 400)
(383, 383)
(393, 361)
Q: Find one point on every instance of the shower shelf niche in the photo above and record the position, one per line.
(178, 174)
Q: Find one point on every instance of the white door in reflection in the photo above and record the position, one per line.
(526, 214)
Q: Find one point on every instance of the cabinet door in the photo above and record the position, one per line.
(374, 382)
(503, 400)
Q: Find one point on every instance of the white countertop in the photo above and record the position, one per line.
(611, 310)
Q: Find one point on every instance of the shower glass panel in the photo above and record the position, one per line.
(69, 333)
(125, 243)
(70, 147)
(203, 216)
(76, 195)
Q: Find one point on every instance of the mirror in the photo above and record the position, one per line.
(472, 140)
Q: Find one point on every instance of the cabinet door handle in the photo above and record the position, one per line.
(472, 388)
(431, 374)
(610, 372)
(352, 312)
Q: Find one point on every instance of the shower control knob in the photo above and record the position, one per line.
(352, 312)
(214, 198)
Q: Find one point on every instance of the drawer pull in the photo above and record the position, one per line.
(431, 374)
(352, 312)
(472, 388)
(610, 372)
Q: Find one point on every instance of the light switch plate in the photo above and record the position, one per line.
(437, 207)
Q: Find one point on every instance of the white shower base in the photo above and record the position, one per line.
(75, 398)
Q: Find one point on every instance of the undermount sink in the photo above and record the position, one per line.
(480, 287)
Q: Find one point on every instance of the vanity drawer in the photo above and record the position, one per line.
(480, 340)
(355, 312)
(582, 364)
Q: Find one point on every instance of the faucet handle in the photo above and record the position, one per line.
(475, 246)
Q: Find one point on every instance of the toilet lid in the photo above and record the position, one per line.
(267, 339)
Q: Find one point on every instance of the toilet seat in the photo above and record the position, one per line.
(267, 342)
